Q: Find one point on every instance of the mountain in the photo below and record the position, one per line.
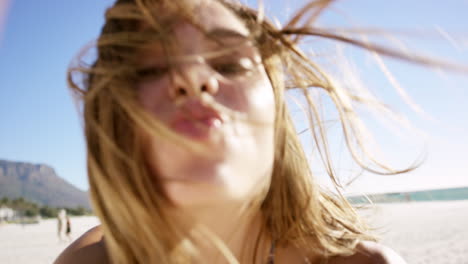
(39, 183)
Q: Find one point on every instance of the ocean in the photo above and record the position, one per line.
(450, 194)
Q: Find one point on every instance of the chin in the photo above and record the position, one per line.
(199, 194)
(209, 189)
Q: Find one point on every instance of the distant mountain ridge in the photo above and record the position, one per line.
(39, 183)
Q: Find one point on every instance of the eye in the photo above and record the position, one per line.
(228, 68)
(151, 73)
(233, 67)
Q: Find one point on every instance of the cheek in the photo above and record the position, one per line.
(154, 97)
(262, 103)
(253, 96)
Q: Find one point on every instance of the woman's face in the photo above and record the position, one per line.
(239, 146)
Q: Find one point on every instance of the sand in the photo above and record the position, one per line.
(38, 243)
(424, 232)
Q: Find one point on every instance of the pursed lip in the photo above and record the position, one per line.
(195, 120)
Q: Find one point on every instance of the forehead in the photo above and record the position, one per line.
(216, 22)
(213, 14)
(209, 14)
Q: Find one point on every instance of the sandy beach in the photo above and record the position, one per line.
(423, 232)
(38, 243)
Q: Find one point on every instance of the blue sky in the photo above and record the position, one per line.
(39, 122)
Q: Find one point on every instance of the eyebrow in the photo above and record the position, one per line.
(226, 32)
(217, 34)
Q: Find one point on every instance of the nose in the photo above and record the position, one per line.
(193, 79)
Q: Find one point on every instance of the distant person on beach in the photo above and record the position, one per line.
(68, 228)
(59, 228)
(192, 153)
(61, 218)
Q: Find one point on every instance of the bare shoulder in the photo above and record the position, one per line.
(89, 248)
(371, 253)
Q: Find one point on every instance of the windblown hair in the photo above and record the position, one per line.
(130, 201)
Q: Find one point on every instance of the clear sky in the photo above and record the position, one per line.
(39, 123)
